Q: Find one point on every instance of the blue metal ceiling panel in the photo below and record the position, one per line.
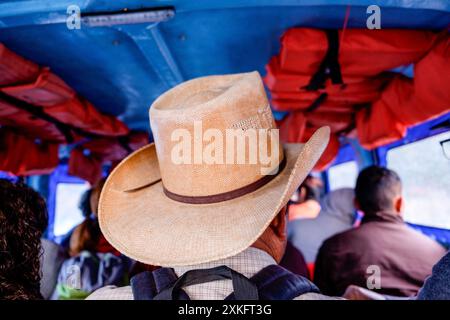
(122, 69)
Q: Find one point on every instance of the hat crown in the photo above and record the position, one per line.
(204, 131)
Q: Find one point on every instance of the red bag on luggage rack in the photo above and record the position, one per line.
(61, 102)
(29, 124)
(330, 153)
(293, 86)
(23, 156)
(293, 125)
(47, 90)
(336, 121)
(362, 52)
(432, 81)
(279, 80)
(399, 97)
(427, 95)
(14, 69)
(85, 166)
(376, 125)
(294, 105)
(294, 129)
(86, 160)
(83, 115)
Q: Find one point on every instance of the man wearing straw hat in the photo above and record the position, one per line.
(207, 200)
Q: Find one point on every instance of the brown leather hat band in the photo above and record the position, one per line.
(226, 195)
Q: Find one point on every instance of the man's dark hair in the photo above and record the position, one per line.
(376, 187)
(23, 220)
(85, 203)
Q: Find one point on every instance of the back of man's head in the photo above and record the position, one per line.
(377, 189)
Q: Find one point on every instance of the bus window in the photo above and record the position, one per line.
(425, 173)
(67, 213)
(7, 176)
(343, 175)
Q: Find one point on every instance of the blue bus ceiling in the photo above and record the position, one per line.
(122, 69)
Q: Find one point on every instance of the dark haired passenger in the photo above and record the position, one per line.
(383, 254)
(304, 203)
(87, 235)
(23, 220)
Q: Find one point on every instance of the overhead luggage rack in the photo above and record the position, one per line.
(326, 77)
(39, 111)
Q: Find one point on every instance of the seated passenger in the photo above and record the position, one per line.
(337, 215)
(304, 203)
(87, 235)
(383, 254)
(94, 263)
(436, 286)
(202, 223)
(81, 275)
(23, 220)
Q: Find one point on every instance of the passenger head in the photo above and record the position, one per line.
(87, 234)
(89, 200)
(339, 203)
(310, 189)
(378, 189)
(95, 196)
(274, 238)
(23, 220)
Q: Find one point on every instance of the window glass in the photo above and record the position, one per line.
(343, 175)
(67, 213)
(425, 173)
(7, 176)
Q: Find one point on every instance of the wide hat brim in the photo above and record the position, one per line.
(140, 221)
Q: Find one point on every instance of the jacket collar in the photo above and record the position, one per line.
(383, 216)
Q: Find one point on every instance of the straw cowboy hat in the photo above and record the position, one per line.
(160, 211)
